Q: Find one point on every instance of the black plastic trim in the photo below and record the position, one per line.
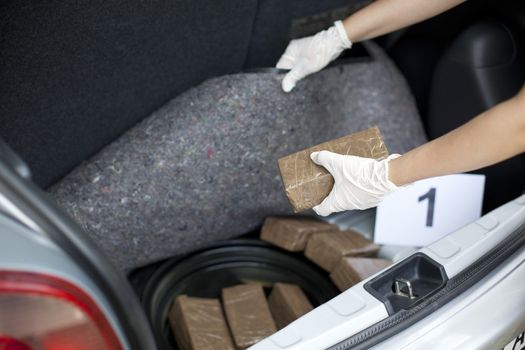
(59, 228)
(410, 268)
(454, 287)
(272, 70)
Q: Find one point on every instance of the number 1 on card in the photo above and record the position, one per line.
(431, 196)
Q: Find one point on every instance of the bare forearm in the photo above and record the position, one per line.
(493, 136)
(385, 16)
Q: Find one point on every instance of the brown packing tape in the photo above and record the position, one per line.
(199, 324)
(306, 184)
(327, 248)
(292, 234)
(350, 271)
(248, 314)
(287, 303)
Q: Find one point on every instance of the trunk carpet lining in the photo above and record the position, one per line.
(204, 166)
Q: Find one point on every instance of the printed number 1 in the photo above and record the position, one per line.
(431, 196)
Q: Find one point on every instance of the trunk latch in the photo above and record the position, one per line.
(403, 288)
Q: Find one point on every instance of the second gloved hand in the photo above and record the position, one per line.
(311, 54)
(360, 183)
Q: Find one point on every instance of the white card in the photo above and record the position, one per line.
(429, 209)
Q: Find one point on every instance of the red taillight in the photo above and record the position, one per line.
(12, 344)
(42, 312)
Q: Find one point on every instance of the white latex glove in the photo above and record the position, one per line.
(360, 183)
(311, 54)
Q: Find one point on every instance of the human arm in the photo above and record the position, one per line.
(385, 16)
(491, 137)
(308, 55)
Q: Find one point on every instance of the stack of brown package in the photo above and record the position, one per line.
(347, 255)
(201, 324)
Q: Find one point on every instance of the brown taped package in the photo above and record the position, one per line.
(350, 271)
(306, 184)
(292, 234)
(327, 248)
(248, 314)
(287, 303)
(199, 324)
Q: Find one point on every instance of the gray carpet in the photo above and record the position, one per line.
(204, 167)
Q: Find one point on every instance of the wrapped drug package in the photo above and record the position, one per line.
(350, 271)
(292, 234)
(248, 314)
(199, 324)
(326, 249)
(287, 303)
(306, 184)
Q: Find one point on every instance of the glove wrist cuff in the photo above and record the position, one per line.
(390, 185)
(347, 43)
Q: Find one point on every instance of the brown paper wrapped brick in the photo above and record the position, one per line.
(327, 248)
(248, 314)
(292, 234)
(199, 324)
(306, 184)
(350, 271)
(287, 303)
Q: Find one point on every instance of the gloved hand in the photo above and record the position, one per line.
(360, 183)
(311, 54)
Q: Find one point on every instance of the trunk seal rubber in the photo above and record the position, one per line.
(453, 288)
